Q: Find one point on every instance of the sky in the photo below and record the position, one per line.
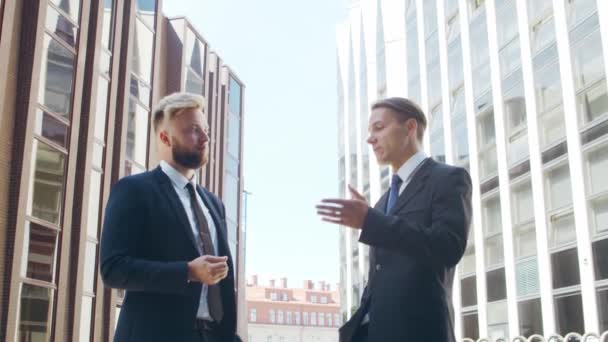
(285, 53)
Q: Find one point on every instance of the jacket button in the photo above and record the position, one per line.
(378, 267)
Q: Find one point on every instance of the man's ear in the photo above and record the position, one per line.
(164, 138)
(412, 126)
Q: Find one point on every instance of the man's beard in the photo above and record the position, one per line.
(188, 159)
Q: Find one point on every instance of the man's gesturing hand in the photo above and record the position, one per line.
(345, 212)
(208, 269)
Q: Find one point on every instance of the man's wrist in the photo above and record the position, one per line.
(191, 277)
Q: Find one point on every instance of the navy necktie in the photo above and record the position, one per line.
(393, 194)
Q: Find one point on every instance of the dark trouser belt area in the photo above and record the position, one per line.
(202, 324)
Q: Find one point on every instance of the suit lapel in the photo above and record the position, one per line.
(414, 186)
(215, 215)
(169, 192)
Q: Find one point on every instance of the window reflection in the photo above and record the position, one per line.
(231, 197)
(41, 252)
(47, 193)
(101, 108)
(194, 84)
(195, 53)
(436, 135)
(51, 128)
(36, 304)
(137, 133)
(235, 97)
(146, 10)
(56, 77)
(61, 26)
(107, 38)
(71, 7)
(143, 46)
(234, 135)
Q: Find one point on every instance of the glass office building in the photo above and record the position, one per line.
(515, 92)
(78, 81)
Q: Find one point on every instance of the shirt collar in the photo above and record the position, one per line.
(410, 165)
(176, 178)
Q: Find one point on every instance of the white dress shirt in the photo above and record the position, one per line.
(411, 165)
(179, 184)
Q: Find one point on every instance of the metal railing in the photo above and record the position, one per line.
(571, 337)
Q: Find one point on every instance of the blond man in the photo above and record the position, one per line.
(164, 239)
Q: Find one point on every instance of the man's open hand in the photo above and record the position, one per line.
(347, 212)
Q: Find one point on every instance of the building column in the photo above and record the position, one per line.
(445, 83)
(424, 96)
(503, 170)
(474, 170)
(536, 173)
(575, 160)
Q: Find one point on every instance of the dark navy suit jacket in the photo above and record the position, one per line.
(413, 251)
(146, 244)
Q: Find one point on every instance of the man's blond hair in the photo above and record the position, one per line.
(172, 104)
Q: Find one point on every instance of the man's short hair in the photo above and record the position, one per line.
(170, 105)
(405, 109)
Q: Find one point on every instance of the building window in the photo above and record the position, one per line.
(602, 306)
(284, 296)
(569, 314)
(313, 299)
(253, 315)
(496, 283)
(492, 223)
(480, 58)
(559, 199)
(459, 127)
(321, 319)
(273, 296)
(522, 215)
(600, 259)
(329, 321)
(470, 325)
(588, 68)
(337, 320)
(468, 289)
(526, 277)
(514, 104)
(313, 318)
(549, 97)
(565, 271)
(596, 165)
(280, 314)
(323, 300)
(35, 307)
(272, 317)
(288, 317)
(498, 321)
(530, 317)
(305, 318)
(436, 134)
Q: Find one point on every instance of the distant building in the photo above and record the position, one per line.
(278, 313)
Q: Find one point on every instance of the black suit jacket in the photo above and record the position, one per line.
(414, 250)
(146, 244)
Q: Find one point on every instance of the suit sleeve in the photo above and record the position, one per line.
(444, 241)
(123, 230)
